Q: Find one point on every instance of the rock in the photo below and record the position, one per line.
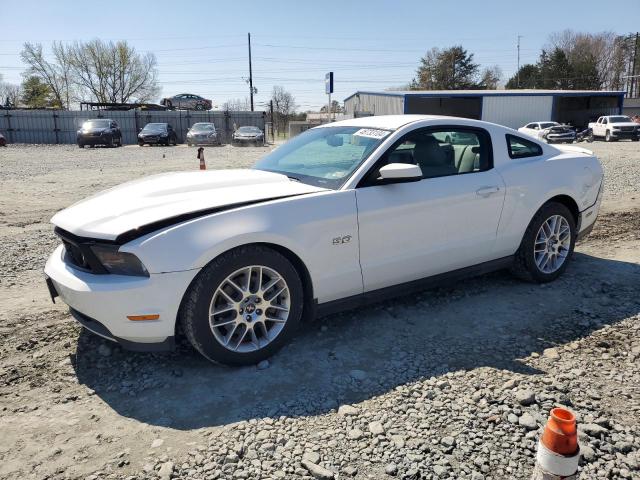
(166, 471)
(439, 470)
(317, 471)
(263, 365)
(448, 441)
(525, 397)
(313, 457)
(527, 421)
(350, 471)
(262, 435)
(398, 441)
(592, 429)
(347, 410)
(355, 434)
(358, 374)
(551, 353)
(157, 443)
(376, 428)
(391, 469)
(104, 350)
(587, 453)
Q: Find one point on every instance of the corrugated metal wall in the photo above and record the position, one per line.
(515, 111)
(57, 126)
(374, 104)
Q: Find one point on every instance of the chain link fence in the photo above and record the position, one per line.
(60, 126)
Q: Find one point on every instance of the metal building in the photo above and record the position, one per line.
(512, 108)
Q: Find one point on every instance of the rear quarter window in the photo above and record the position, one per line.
(519, 147)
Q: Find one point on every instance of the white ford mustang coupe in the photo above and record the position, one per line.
(343, 214)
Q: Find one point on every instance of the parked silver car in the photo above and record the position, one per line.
(203, 133)
(187, 101)
(247, 135)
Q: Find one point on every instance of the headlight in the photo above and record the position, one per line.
(119, 263)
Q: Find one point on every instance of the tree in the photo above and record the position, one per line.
(284, 105)
(335, 107)
(56, 75)
(113, 72)
(529, 77)
(9, 93)
(96, 70)
(490, 78)
(450, 69)
(555, 70)
(37, 94)
(237, 105)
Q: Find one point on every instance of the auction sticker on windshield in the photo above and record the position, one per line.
(372, 133)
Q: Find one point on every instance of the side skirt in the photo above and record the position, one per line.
(379, 295)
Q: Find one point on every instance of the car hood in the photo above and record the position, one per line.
(156, 200)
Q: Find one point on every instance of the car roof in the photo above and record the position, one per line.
(391, 122)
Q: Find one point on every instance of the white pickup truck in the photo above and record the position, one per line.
(615, 127)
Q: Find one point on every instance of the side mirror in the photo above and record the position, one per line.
(400, 172)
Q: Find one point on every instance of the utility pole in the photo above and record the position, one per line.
(634, 81)
(250, 73)
(518, 71)
(272, 120)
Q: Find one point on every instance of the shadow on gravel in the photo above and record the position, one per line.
(490, 321)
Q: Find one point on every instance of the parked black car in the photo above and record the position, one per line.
(157, 134)
(99, 131)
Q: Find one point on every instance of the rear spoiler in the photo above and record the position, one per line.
(573, 149)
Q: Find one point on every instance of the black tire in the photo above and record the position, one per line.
(524, 265)
(111, 143)
(81, 145)
(141, 144)
(199, 106)
(607, 136)
(194, 310)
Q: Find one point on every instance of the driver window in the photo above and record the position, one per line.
(444, 152)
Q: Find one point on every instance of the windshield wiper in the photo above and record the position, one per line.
(296, 179)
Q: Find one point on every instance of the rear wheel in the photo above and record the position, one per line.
(547, 245)
(243, 306)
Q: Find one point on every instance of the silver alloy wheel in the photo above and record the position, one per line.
(552, 244)
(249, 308)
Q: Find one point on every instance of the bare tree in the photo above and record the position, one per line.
(56, 75)
(9, 93)
(284, 105)
(237, 105)
(113, 72)
(490, 77)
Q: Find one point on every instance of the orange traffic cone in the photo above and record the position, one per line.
(558, 450)
(203, 166)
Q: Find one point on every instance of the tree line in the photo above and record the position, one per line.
(99, 71)
(570, 61)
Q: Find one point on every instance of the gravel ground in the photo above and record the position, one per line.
(458, 388)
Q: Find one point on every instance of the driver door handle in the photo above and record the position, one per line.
(486, 191)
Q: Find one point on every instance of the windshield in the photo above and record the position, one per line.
(249, 130)
(155, 127)
(90, 124)
(203, 127)
(325, 156)
(549, 124)
(619, 118)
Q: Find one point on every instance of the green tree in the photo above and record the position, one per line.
(450, 69)
(37, 94)
(555, 70)
(529, 77)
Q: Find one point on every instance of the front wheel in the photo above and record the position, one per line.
(243, 306)
(607, 136)
(547, 245)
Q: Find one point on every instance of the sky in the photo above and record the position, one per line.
(201, 46)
